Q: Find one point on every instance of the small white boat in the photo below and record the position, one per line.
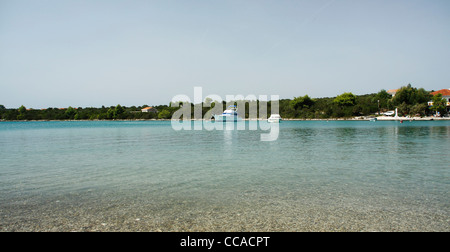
(229, 115)
(275, 118)
(389, 113)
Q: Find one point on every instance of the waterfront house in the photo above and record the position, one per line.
(149, 110)
(445, 94)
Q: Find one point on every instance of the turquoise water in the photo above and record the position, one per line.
(133, 176)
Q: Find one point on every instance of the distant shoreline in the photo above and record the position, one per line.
(380, 118)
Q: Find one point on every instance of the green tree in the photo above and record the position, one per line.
(345, 100)
(22, 113)
(419, 109)
(302, 102)
(404, 108)
(118, 111)
(22, 109)
(2, 108)
(411, 96)
(164, 114)
(382, 99)
(439, 104)
(109, 114)
(70, 113)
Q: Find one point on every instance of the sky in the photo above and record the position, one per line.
(89, 53)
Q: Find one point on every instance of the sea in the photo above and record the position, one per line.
(146, 176)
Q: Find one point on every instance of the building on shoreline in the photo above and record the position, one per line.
(149, 110)
(392, 92)
(445, 94)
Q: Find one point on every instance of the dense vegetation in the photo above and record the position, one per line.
(408, 100)
(104, 113)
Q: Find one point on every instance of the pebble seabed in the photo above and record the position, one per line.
(244, 213)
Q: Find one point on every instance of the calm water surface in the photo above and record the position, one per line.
(144, 176)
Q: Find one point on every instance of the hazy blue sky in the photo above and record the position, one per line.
(59, 53)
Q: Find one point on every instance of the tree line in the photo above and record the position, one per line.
(408, 100)
(104, 113)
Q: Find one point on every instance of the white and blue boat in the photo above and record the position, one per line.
(229, 115)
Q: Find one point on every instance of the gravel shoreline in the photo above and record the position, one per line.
(74, 214)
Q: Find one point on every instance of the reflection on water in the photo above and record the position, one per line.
(228, 139)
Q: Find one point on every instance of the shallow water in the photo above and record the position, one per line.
(145, 176)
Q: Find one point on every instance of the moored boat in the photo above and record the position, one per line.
(229, 115)
(274, 118)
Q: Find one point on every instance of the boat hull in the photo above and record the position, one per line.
(221, 118)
